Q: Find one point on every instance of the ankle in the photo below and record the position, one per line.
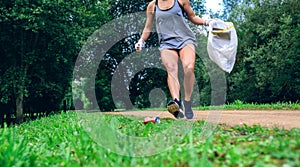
(187, 101)
(187, 104)
(177, 101)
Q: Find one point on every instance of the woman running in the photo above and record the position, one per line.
(176, 41)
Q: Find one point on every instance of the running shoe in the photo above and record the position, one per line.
(174, 107)
(188, 111)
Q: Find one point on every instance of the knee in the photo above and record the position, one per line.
(189, 70)
(172, 68)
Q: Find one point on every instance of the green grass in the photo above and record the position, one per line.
(62, 140)
(239, 105)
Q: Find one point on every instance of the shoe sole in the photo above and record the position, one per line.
(175, 110)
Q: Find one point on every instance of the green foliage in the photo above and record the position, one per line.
(142, 84)
(198, 6)
(40, 41)
(60, 140)
(267, 67)
(123, 7)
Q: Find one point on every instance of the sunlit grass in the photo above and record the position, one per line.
(60, 140)
(239, 105)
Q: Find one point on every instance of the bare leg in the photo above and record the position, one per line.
(188, 58)
(170, 61)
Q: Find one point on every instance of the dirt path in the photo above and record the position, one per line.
(286, 119)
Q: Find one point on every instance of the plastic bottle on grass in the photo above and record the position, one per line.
(151, 119)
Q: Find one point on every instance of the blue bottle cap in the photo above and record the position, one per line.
(157, 120)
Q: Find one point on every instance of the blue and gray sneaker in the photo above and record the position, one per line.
(187, 105)
(174, 107)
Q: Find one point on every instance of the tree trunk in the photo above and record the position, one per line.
(19, 107)
(22, 78)
(20, 96)
(1, 119)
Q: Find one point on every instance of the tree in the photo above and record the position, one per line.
(40, 41)
(267, 67)
(144, 82)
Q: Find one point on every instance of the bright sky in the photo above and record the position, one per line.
(214, 5)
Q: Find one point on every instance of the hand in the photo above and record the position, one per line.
(139, 45)
(207, 22)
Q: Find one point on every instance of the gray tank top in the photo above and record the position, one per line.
(172, 29)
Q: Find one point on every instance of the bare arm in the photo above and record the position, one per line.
(191, 14)
(149, 21)
(148, 26)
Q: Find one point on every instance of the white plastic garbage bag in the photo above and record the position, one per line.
(222, 44)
